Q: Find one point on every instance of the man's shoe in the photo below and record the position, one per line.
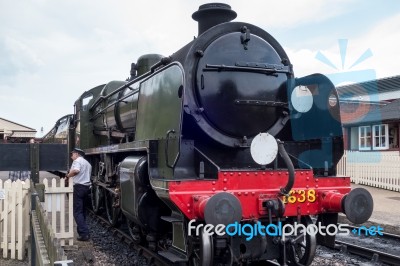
(83, 238)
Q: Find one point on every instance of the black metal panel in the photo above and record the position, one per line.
(18, 157)
(53, 157)
(15, 157)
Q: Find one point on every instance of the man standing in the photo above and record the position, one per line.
(80, 171)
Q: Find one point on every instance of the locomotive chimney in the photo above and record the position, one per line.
(212, 14)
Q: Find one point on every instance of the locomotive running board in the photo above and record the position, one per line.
(171, 219)
(173, 256)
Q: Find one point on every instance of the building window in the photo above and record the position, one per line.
(364, 141)
(380, 137)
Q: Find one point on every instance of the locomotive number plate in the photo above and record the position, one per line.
(300, 195)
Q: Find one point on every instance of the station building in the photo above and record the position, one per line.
(370, 114)
(12, 132)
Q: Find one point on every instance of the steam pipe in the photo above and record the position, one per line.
(290, 167)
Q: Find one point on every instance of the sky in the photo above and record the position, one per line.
(51, 51)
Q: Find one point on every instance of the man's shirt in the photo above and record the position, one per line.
(84, 168)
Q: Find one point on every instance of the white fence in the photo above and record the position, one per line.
(376, 169)
(15, 207)
(14, 218)
(59, 207)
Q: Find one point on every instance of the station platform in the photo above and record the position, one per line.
(386, 209)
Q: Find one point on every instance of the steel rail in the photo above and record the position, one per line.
(372, 254)
(384, 234)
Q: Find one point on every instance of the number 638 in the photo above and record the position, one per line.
(300, 195)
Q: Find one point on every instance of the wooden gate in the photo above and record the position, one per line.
(15, 197)
(58, 206)
(14, 218)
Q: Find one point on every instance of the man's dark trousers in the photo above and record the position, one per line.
(80, 195)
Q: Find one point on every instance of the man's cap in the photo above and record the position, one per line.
(79, 151)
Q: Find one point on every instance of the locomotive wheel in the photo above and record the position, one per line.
(302, 250)
(113, 213)
(96, 198)
(201, 250)
(228, 258)
(135, 232)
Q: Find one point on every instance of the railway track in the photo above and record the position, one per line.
(369, 253)
(152, 257)
(359, 249)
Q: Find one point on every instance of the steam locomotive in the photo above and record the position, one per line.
(218, 135)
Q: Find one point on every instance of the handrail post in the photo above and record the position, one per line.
(34, 194)
(34, 157)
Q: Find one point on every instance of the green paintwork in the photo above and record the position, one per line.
(110, 112)
(179, 239)
(145, 62)
(84, 137)
(131, 187)
(159, 112)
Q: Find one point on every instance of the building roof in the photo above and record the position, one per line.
(389, 112)
(16, 124)
(389, 86)
(12, 129)
(373, 101)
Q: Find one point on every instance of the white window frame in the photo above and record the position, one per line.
(382, 146)
(362, 130)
